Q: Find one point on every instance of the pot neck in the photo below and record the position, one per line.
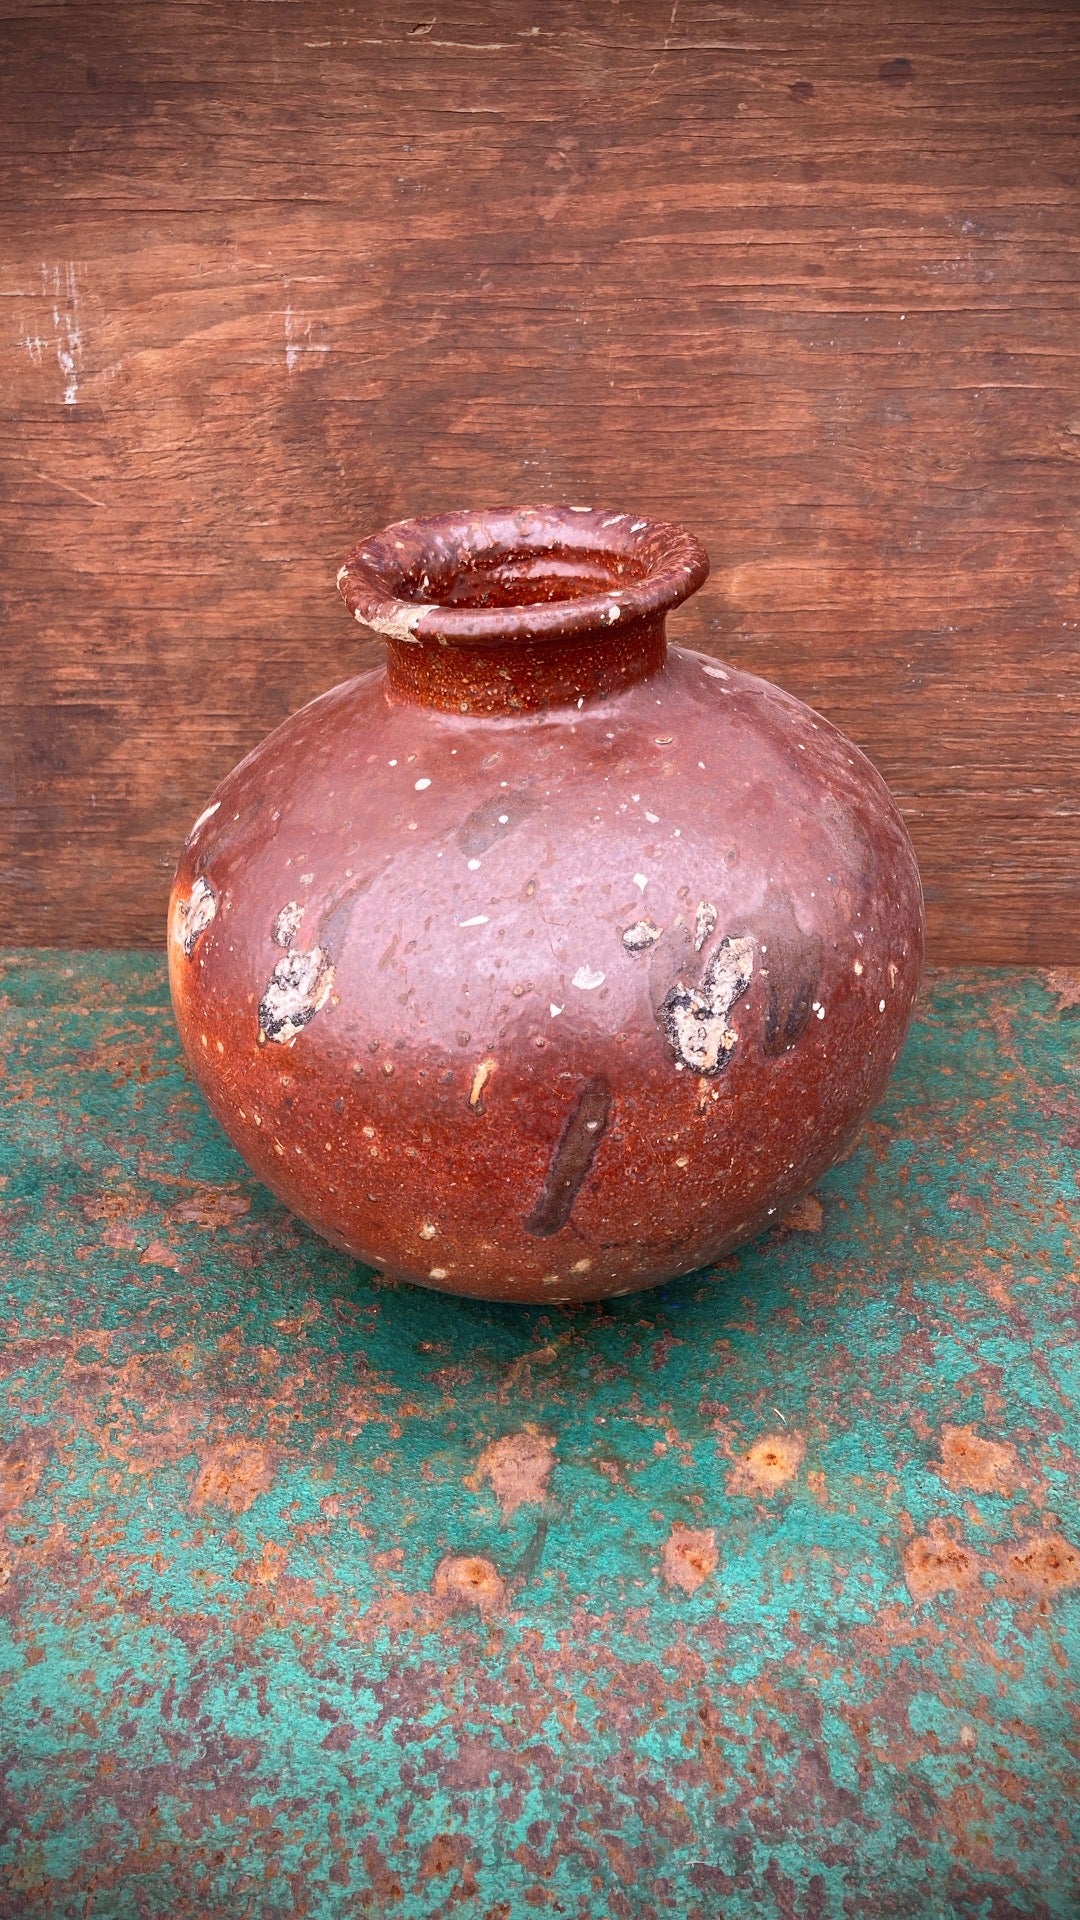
(516, 610)
(523, 676)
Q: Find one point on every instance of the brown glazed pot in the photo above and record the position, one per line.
(547, 961)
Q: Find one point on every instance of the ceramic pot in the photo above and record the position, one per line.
(546, 961)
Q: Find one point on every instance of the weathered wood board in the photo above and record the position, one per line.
(802, 276)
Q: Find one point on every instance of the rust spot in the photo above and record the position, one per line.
(211, 1207)
(936, 1563)
(391, 1561)
(1064, 983)
(465, 1580)
(119, 1235)
(690, 1557)
(1044, 1564)
(575, 1151)
(986, 1466)
(517, 1468)
(157, 1254)
(446, 1853)
(20, 1471)
(232, 1475)
(806, 1216)
(769, 1464)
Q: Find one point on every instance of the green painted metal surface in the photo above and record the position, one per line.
(755, 1596)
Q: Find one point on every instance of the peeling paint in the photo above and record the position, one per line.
(806, 1215)
(985, 1466)
(769, 1464)
(233, 1475)
(518, 1469)
(466, 1581)
(690, 1557)
(937, 1563)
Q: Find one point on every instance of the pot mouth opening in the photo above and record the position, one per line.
(505, 574)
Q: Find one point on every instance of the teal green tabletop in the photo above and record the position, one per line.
(758, 1595)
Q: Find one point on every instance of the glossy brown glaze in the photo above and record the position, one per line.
(547, 962)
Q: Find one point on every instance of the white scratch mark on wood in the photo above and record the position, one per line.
(59, 286)
(298, 334)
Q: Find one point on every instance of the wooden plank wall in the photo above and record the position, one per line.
(803, 276)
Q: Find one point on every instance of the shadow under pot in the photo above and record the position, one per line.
(546, 961)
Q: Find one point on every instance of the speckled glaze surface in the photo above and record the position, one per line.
(547, 962)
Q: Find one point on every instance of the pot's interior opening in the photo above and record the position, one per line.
(520, 577)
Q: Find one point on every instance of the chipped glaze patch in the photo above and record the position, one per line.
(206, 814)
(299, 985)
(195, 914)
(394, 619)
(704, 922)
(641, 935)
(480, 1078)
(695, 1019)
(287, 923)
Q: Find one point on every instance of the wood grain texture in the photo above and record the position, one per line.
(801, 276)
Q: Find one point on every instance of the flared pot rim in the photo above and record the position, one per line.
(492, 576)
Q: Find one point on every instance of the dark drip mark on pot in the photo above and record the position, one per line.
(794, 969)
(574, 1154)
(338, 915)
(488, 822)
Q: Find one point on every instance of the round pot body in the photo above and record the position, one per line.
(545, 962)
